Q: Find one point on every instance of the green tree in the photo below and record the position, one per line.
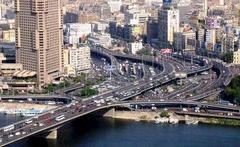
(80, 78)
(86, 92)
(232, 91)
(164, 114)
(144, 51)
(125, 50)
(227, 57)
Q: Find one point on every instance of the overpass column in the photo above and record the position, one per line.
(52, 134)
(110, 113)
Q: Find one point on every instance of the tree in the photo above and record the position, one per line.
(80, 78)
(87, 92)
(126, 51)
(164, 114)
(227, 57)
(144, 51)
(232, 91)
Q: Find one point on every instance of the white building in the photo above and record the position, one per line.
(101, 39)
(74, 31)
(79, 58)
(99, 26)
(136, 17)
(134, 47)
(115, 5)
(168, 24)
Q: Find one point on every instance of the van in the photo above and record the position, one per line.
(28, 121)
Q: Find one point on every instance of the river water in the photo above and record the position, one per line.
(103, 132)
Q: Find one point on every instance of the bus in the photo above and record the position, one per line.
(59, 118)
(8, 128)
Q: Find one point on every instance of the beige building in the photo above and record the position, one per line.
(8, 69)
(39, 41)
(8, 36)
(69, 70)
(236, 57)
(79, 58)
(168, 21)
(65, 57)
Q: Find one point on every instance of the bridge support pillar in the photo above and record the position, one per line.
(52, 134)
(110, 113)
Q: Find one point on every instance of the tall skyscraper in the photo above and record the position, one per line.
(39, 38)
(168, 19)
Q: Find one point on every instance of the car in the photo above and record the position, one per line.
(17, 133)
(35, 117)
(23, 133)
(40, 124)
(10, 136)
(35, 125)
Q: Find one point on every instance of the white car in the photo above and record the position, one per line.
(17, 133)
(40, 124)
(10, 136)
(23, 133)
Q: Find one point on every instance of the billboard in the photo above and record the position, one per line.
(167, 2)
(213, 23)
(166, 51)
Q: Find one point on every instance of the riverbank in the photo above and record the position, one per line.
(8, 107)
(171, 117)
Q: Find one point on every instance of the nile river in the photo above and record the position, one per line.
(102, 132)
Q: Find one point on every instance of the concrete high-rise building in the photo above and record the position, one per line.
(184, 41)
(39, 38)
(168, 21)
(79, 58)
(210, 39)
(205, 9)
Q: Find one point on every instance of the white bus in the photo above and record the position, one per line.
(8, 128)
(59, 118)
